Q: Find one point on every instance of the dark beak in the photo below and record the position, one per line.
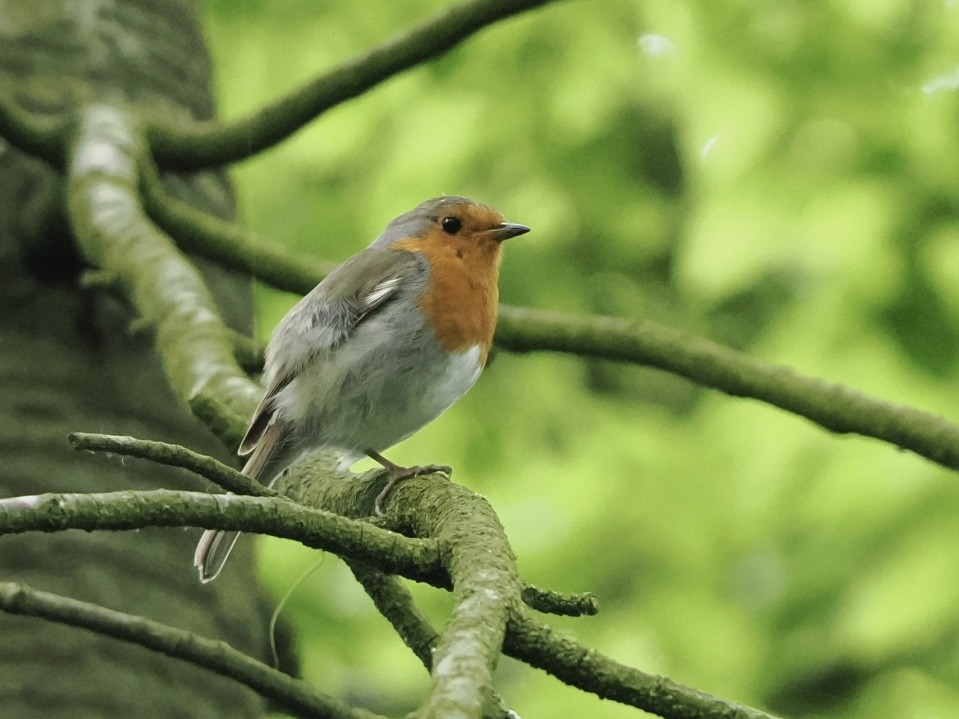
(507, 230)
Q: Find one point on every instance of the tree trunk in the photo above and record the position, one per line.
(69, 362)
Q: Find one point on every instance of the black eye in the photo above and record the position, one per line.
(451, 225)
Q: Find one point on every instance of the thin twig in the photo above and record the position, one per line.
(548, 601)
(175, 456)
(395, 603)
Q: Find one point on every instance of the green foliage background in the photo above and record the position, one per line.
(779, 176)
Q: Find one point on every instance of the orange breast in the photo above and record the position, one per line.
(462, 297)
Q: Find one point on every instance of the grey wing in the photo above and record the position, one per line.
(326, 317)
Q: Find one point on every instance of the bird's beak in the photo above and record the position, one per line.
(506, 230)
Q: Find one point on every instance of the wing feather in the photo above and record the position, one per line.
(324, 319)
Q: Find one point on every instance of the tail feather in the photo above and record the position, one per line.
(212, 551)
(215, 545)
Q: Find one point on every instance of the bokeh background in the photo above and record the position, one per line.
(781, 177)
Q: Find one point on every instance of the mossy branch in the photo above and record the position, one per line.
(172, 455)
(34, 134)
(467, 547)
(203, 145)
(430, 506)
(294, 695)
(419, 559)
(832, 406)
(114, 234)
(208, 236)
(524, 637)
(395, 602)
(482, 570)
(544, 600)
(535, 643)
(486, 589)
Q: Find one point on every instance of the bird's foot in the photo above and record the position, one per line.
(397, 474)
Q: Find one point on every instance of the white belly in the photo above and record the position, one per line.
(375, 391)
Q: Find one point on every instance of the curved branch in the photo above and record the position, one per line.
(418, 559)
(201, 145)
(33, 134)
(206, 235)
(432, 506)
(832, 406)
(220, 418)
(486, 587)
(547, 601)
(292, 694)
(395, 602)
(482, 570)
(113, 233)
(569, 661)
(172, 455)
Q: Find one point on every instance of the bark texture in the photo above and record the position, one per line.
(69, 360)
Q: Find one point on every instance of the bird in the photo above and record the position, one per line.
(385, 344)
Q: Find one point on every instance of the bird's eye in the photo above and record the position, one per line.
(451, 225)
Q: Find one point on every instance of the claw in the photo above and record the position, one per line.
(397, 474)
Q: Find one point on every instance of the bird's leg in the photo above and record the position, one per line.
(397, 474)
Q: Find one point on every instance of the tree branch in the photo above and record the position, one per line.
(431, 506)
(172, 455)
(292, 694)
(208, 236)
(549, 601)
(535, 643)
(419, 559)
(113, 233)
(486, 587)
(544, 600)
(526, 638)
(832, 406)
(202, 145)
(395, 603)
(482, 570)
(34, 134)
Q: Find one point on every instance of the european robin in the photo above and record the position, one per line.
(384, 345)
